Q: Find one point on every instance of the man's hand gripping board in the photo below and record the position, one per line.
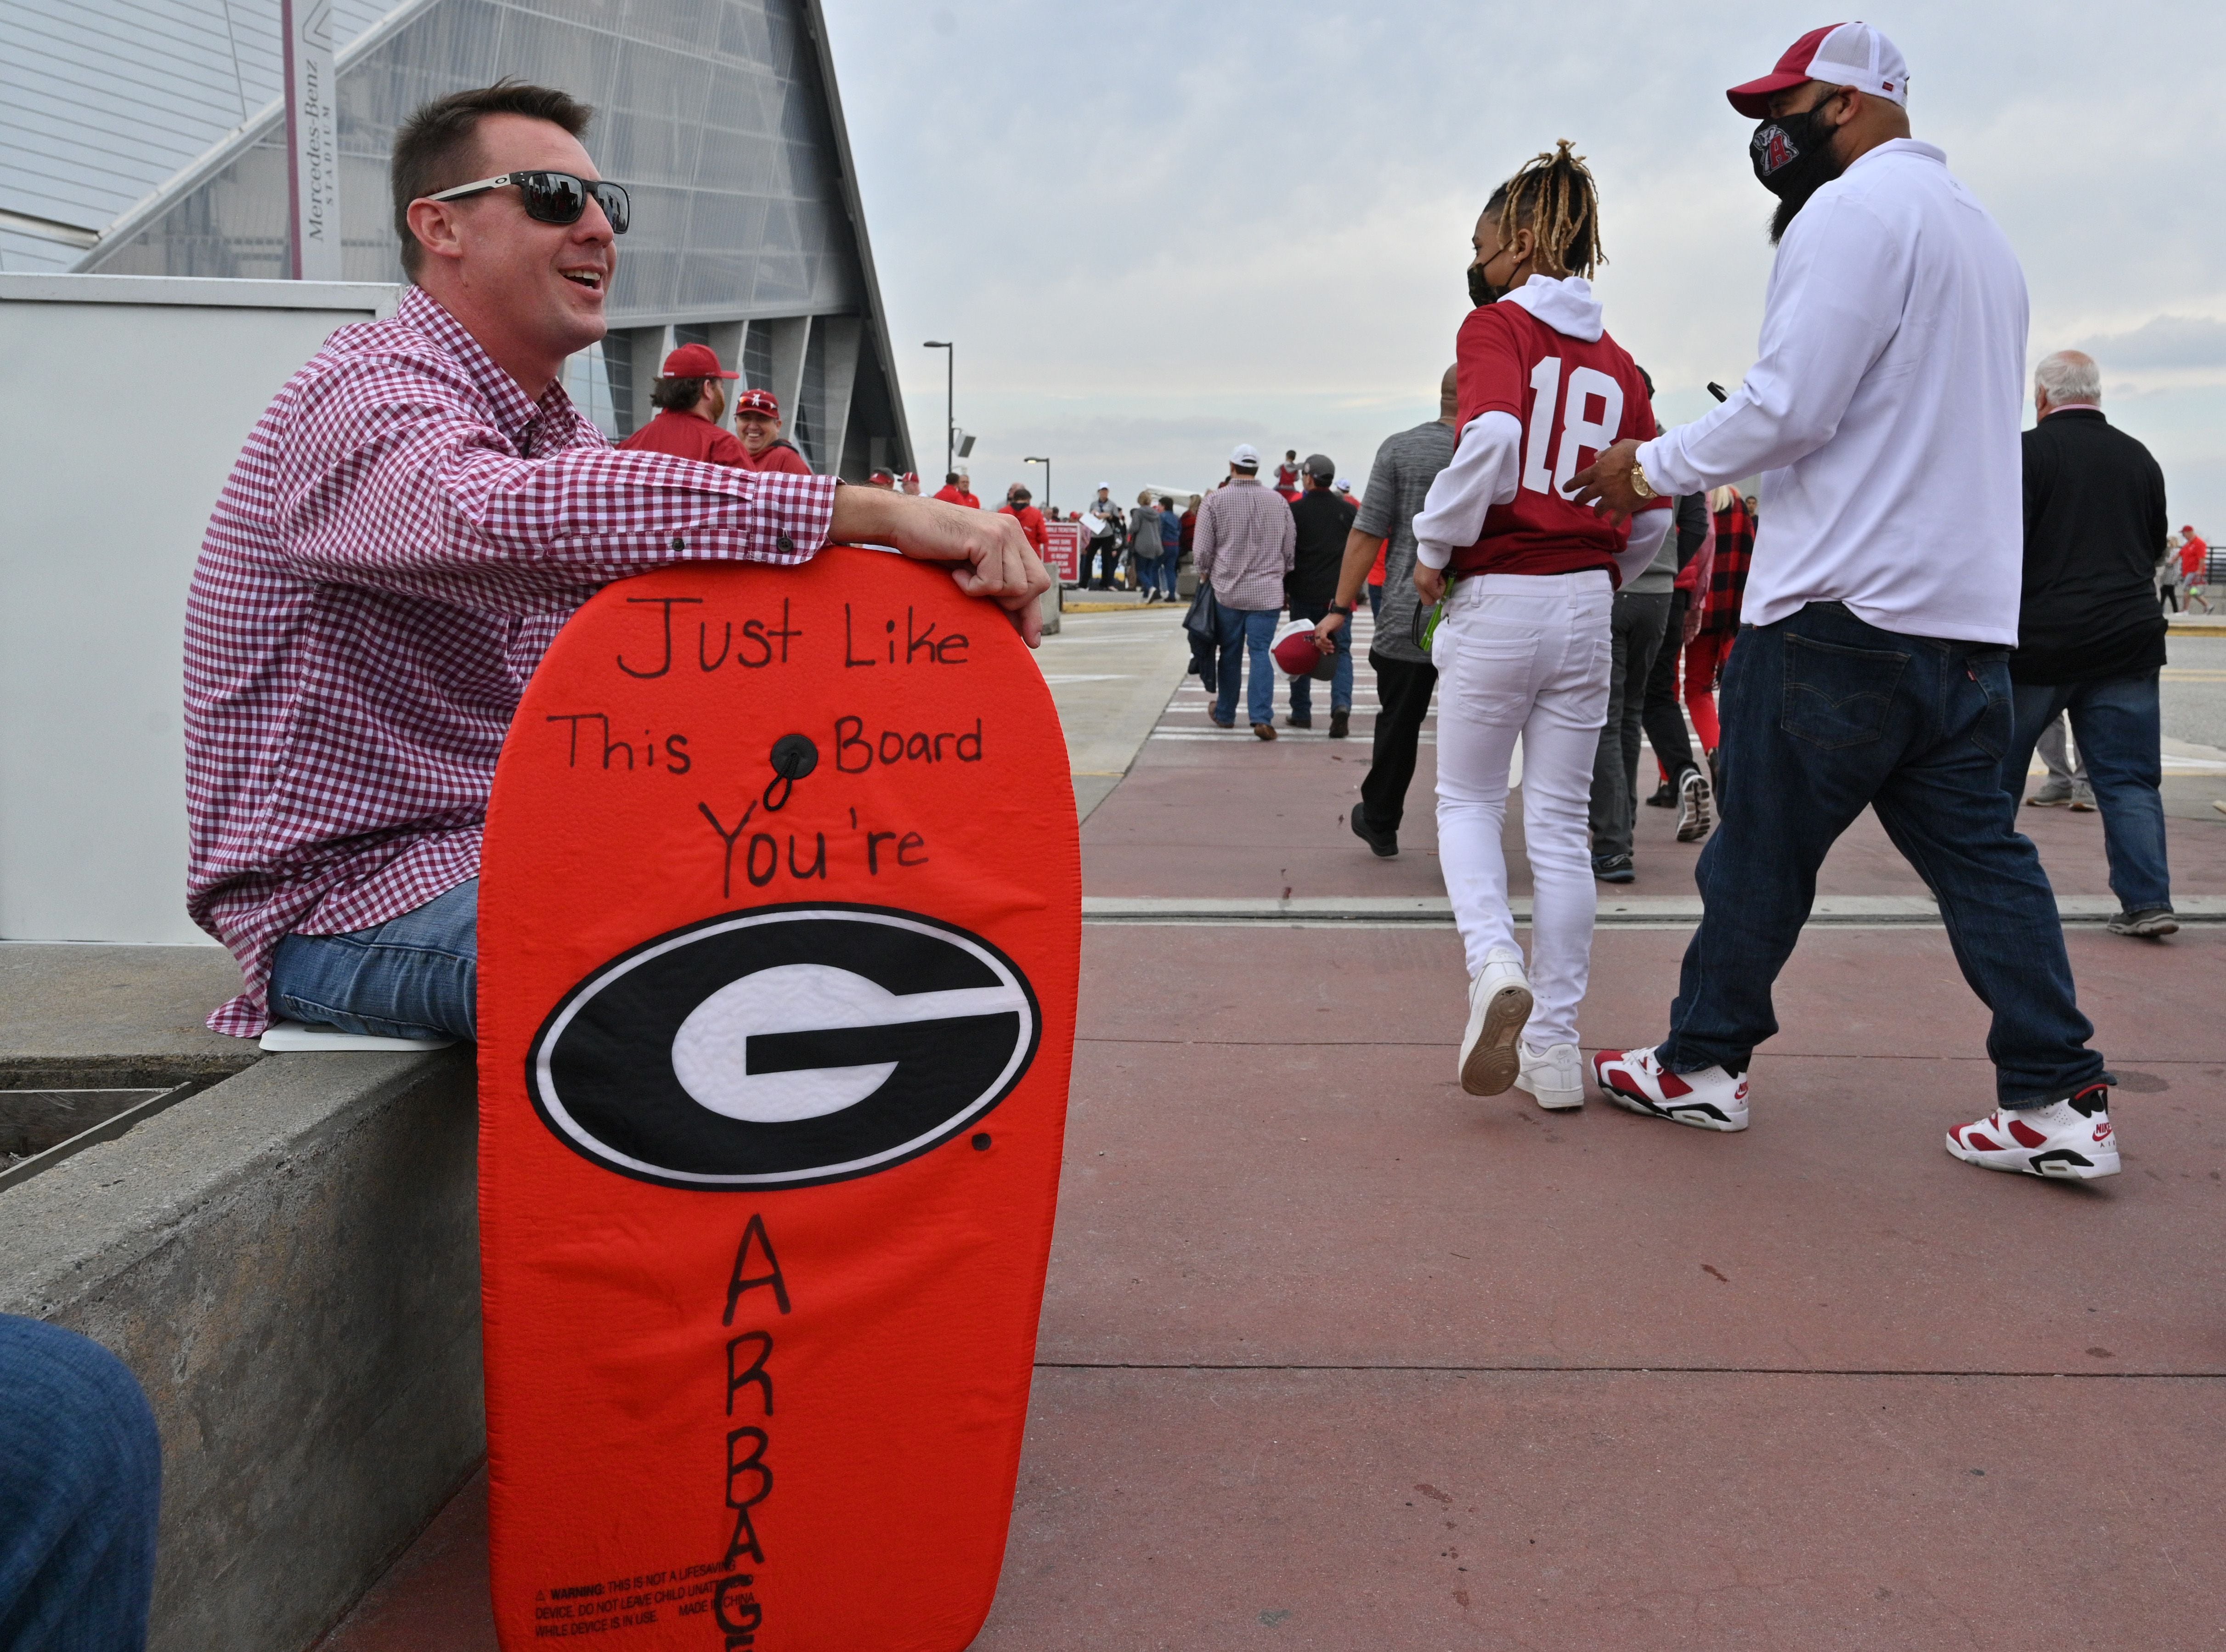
(780, 924)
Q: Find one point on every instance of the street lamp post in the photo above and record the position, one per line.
(950, 386)
(1045, 462)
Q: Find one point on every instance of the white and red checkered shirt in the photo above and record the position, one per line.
(402, 538)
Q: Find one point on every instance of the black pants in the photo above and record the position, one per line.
(1634, 632)
(1404, 688)
(1108, 554)
(1663, 714)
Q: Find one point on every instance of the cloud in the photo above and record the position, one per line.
(2167, 342)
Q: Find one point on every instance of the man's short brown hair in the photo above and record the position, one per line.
(438, 147)
(677, 395)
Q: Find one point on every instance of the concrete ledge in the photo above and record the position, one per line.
(290, 1262)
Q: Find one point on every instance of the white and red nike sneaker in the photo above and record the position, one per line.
(2070, 1139)
(1710, 1099)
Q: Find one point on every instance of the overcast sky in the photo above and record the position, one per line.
(1159, 228)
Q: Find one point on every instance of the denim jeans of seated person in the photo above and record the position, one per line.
(414, 976)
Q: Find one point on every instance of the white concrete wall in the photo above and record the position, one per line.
(124, 401)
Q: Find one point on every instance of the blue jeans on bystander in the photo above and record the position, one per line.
(80, 1484)
(414, 976)
(1824, 715)
(1247, 631)
(2118, 724)
(1340, 686)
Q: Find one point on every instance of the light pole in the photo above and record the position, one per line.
(950, 385)
(1045, 462)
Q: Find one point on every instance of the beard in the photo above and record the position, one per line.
(1825, 167)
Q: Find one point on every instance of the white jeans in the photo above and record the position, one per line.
(1528, 655)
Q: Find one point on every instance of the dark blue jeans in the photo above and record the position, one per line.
(1823, 715)
(80, 1483)
(414, 976)
(2118, 725)
(1247, 631)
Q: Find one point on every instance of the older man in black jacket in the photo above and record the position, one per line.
(2089, 638)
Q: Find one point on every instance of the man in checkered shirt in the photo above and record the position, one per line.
(413, 517)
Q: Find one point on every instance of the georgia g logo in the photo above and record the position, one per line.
(783, 1047)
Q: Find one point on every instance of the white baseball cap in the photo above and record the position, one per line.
(1245, 456)
(1839, 55)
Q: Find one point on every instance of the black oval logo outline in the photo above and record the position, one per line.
(544, 1083)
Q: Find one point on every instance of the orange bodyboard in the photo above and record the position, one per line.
(780, 925)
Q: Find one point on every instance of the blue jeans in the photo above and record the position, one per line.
(1147, 573)
(1823, 714)
(1170, 565)
(1340, 685)
(2118, 726)
(414, 976)
(1247, 631)
(80, 1484)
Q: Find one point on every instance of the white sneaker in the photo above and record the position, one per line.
(1555, 1076)
(2071, 1139)
(1498, 1004)
(1710, 1099)
(1694, 807)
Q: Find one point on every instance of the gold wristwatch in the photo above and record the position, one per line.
(1639, 484)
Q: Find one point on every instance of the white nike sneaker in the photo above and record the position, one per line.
(1498, 1004)
(1710, 1099)
(2070, 1139)
(1555, 1076)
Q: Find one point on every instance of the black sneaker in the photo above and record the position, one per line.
(1613, 868)
(1298, 722)
(1386, 844)
(2150, 924)
(1665, 797)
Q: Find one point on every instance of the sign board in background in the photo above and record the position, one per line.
(1063, 549)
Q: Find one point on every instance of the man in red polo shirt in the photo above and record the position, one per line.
(1019, 506)
(958, 489)
(691, 400)
(757, 422)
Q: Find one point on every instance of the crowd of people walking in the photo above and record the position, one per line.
(1568, 576)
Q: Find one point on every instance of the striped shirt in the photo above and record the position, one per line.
(400, 541)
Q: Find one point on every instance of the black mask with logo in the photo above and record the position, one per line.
(1793, 159)
(1480, 289)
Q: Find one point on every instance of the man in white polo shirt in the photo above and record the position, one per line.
(1872, 670)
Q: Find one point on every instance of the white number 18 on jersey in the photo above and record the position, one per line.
(1578, 432)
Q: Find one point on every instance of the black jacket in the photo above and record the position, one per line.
(1324, 517)
(2094, 529)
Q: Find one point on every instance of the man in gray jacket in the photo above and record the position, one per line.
(1405, 466)
(1243, 548)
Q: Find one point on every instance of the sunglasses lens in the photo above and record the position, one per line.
(616, 207)
(554, 197)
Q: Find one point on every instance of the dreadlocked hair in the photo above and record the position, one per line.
(1553, 196)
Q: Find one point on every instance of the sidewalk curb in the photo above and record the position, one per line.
(1632, 912)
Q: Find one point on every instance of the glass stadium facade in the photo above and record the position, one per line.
(721, 116)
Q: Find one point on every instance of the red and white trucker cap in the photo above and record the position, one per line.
(1839, 55)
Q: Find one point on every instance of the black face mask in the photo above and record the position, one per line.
(1793, 159)
(1480, 289)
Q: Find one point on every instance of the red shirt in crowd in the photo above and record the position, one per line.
(778, 456)
(950, 490)
(1031, 524)
(1573, 398)
(2191, 554)
(688, 436)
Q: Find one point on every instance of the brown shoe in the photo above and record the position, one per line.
(1340, 724)
(1265, 731)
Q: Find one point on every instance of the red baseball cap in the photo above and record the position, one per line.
(1299, 655)
(757, 401)
(695, 361)
(1840, 54)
